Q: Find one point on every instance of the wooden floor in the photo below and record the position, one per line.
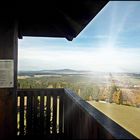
(126, 116)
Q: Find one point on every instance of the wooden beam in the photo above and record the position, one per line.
(8, 50)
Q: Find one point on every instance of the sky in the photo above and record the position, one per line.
(109, 43)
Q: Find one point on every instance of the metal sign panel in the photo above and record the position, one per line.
(6, 73)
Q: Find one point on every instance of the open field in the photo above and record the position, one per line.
(126, 116)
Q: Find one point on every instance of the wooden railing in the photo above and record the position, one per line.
(83, 121)
(61, 114)
(40, 112)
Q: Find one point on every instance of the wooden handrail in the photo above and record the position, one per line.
(39, 91)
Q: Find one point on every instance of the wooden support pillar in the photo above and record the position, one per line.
(8, 50)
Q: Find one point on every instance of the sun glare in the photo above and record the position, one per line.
(107, 58)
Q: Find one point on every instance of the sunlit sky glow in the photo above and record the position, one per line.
(109, 43)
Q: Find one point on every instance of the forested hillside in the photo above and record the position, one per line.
(87, 87)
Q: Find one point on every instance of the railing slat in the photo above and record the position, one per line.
(35, 113)
(42, 113)
(48, 115)
(29, 114)
(22, 114)
(60, 114)
(54, 113)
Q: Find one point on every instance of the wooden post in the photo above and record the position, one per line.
(8, 50)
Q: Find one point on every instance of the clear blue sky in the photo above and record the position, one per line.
(110, 42)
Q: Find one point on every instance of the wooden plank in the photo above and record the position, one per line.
(22, 114)
(54, 113)
(8, 50)
(48, 115)
(70, 107)
(18, 115)
(95, 129)
(47, 91)
(66, 117)
(42, 113)
(78, 120)
(74, 120)
(29, 114)
(90, 125)
(61, 114)
(82, 124)
(35, 113)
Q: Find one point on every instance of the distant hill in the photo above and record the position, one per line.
(71, 71)
(58, 71)
(63, 71)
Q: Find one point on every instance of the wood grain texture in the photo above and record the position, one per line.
(8, 50)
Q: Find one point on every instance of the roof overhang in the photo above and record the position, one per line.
(55, 18)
